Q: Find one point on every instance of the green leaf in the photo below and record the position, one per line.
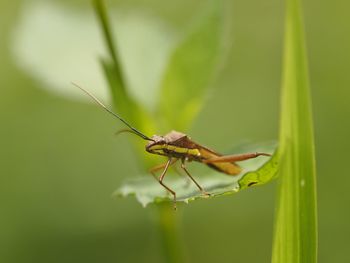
(256, 171)
(295, 237)
(192, 68)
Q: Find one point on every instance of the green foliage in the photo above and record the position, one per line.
(183, 91)
(186, 83)
(296, 219)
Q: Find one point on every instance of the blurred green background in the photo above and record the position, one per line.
(60, 161)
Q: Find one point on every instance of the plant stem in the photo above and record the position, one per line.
(173, 251)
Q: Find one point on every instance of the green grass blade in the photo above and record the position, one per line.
(296, 219)
(102, 15)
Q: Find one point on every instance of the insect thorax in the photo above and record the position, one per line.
(175, 151)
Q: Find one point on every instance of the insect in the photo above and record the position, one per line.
(179, 146)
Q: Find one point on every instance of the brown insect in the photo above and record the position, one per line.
(178, 146)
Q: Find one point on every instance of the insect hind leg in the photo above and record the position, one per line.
(234, 157)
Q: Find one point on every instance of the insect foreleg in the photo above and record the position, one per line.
(189, 175)
(234, 158)
(161, 181)
(156, 168)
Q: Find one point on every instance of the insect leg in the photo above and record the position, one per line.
(234, 158)
(166, 187)
(156, 168)
(189, 175)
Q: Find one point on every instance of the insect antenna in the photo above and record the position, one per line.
(134, 130)
(123, 131)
